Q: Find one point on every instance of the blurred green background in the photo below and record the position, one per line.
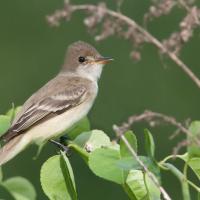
(31, 53)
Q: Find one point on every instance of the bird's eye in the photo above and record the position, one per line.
(81, 59)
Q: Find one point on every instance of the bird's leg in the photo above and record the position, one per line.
(61, 146)
(63, 139)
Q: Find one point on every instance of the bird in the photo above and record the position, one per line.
(59, 104)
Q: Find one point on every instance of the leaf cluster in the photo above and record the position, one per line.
(110, 160)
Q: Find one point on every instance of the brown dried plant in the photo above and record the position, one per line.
(115, 23)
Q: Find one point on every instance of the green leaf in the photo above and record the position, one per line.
(13, 112)
(130, 136)
(153, 190)
(69, 176)
(55, 178)
(193, 148)
(89, 141)
(140, 187)
(135, 186)
(92, 140)
(193, 163)
(128, 163)
(82, 126)
(114, 145)
(103, 162)
(20, 188)
(149, 144)
(4, 124)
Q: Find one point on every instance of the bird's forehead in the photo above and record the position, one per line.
(83, 49)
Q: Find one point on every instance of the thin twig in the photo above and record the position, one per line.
(150, 38)
(135, 157)
(154, 118)
(150, 116)
(180, 145)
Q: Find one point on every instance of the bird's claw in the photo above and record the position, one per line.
(64, 148)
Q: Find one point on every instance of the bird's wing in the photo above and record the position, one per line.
(56, 103)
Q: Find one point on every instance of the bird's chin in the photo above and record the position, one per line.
(91, 71)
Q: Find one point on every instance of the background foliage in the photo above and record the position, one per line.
(31, 53)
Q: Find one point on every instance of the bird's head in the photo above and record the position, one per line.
(84, 59)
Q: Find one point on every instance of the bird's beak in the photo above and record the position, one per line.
(103, 60)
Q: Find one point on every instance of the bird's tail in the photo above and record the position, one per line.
(12, 148)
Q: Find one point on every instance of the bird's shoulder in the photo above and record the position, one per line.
(58, 84)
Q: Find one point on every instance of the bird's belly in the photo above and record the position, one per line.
(56, 125)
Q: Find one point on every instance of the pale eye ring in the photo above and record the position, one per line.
(81, 59)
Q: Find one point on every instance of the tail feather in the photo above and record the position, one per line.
(12, 148)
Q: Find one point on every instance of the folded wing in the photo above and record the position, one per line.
(55, 104)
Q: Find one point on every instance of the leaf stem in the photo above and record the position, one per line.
(162, 164)
(194, 186)
(167, 158)
(182, 179)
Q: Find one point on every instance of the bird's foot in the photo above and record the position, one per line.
(64, 148)
(64, 140)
